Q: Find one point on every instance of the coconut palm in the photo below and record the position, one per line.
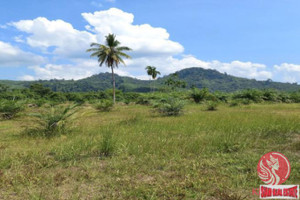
(111, 54)
(151, 71)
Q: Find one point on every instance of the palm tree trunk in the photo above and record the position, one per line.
(114, 84)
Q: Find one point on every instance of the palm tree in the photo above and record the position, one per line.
(111, 54)
(151, 71)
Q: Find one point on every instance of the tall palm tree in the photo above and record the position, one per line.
(111, 54)
(151, 71)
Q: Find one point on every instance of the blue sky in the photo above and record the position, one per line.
(250, 38)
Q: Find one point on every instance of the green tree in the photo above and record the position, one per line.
(151, 71)
(111, 54)
(174, 82)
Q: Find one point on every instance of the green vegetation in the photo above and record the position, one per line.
(211, 105)
(152, 72)
(111, 54)
(9, 109)
(192, 77)
(50, 121)
(104, 105)
(169, 107)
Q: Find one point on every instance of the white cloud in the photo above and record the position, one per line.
(81, 69)
(144, 39)
(68, 42)
(27, 78)
(19, 39)
(287, 72)
(13, 56)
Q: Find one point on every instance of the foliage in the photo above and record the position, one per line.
(252, 95)
(104, 105)
(9, 109)
(174, 82)
(3, 88)
(52, 121)
(199, 95)
(151, 71)
(169, 107)
(211, 105)
(40, 90)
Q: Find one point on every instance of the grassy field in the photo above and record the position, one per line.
(133, 153)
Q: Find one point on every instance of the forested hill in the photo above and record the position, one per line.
(194, 77)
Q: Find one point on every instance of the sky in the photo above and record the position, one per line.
(256, 39)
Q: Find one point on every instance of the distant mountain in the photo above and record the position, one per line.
(194, 77)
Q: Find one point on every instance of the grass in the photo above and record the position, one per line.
(131, 153)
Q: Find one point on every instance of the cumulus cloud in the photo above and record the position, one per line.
(67, 41)
(82, 69)
(14, 56)
(287, 72)
(144, 39)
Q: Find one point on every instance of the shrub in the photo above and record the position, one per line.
(251, 95)
(201, 95)
(234, 103)
(270, 95)
(130, 97)
(104, 105)
(51, 122)
(9, 109)
(169, 107)
(143, 101)
(211, 105)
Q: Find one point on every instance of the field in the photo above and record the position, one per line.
(133, 153)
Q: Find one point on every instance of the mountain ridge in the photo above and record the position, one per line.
(194, 77)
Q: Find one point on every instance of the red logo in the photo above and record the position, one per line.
(273, 168)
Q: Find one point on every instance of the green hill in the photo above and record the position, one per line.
(194, 77)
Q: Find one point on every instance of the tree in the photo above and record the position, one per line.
(174, 82)
(151, 71)
(40, 90)
(111, 54)
(3, 88)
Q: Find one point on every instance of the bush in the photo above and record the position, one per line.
(143, 101)
(252, 95)
(169, 107)
(130, 97)
(9, 109)
(211, 105)
(104, 105)
(51, 122)
(201, 95)
(234, 103)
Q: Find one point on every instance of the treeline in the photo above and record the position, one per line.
(38, 94)
(189, 78)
